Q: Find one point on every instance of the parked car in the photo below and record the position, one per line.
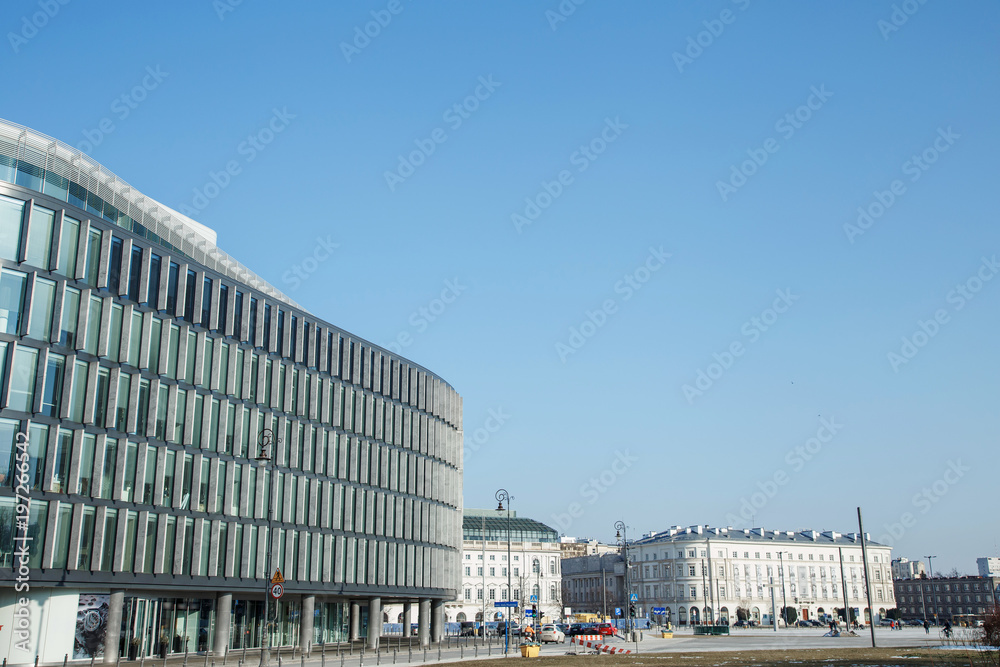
(886, 622)
(604, 629)
(550, 633)
(744, 624)
(580, 629)
(469, 629)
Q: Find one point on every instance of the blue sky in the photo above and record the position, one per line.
(602, 428)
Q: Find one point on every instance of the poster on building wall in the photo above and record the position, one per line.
(91, 624)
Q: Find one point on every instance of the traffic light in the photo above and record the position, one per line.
(631, 609)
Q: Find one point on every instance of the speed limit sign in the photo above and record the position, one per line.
(277, 591)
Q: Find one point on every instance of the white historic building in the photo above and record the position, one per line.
(534, 567)
(701, 574)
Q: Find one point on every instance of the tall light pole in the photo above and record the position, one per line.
(784, 600)
(621, 534)
(501, 497)
(265, 453)
(930, 564)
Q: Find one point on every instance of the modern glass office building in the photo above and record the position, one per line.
(140, 370)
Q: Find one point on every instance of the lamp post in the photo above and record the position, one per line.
(621, 534)
(265, 453)
(502, 496)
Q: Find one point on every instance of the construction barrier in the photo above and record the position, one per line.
(597, 645)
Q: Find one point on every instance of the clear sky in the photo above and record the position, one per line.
(627, 233)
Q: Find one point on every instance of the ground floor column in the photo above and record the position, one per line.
(437, 621)
(112, 636)
(306, 623)
(424, 621)
(355, 630)
(223, 622)
(374, 622)
(407, 618)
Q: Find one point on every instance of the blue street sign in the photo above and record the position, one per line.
(534, 598)
(618, 611)
(659, 610)
(508, 603)
(529, 613)
(633, 597)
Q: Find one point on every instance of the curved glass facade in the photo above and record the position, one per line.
(135, 382)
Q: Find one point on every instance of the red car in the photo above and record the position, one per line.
(604, 629)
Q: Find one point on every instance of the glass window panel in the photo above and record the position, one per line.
(8, 430)
(213, 426)
(11, 223)
(142, 407)
(115, 265)
(55, 367)
(86, 538)
(115, 332)
(69, 245)
(175, 337)
(169, 461)
(87, 448)
(101, 417)
(206, 302)
(237, 315)
(155, 332)
(121, 408)
(39, 249)
(12, 288)
(92, 259)
(94, 324)
(203, 486)
(38, 446)
(135, 273)
(179, 416)
(110, 537)
(77, 195)
(134, 339)
(168, 553)
(223, 368)
(237, 480)
(149, 477)
(206, 365)
(189, 292)
(220, 489)
(192, 355)
(22, 379)
(128, 483)
(149, 552)
(196, 420)
(153, 293)
(223, 308)
(186, 476)
(70, 317)
(237, 388)
(42, 302)
(161, 412)
(60, 548)
(206, 543)
(108, 473)
(56, 186)
(38, 516)
(60, 462)
(172, 279)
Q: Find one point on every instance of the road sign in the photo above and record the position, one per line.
(659, 610)
(507, 603)
(277, 578)
(534, 598)
(633, 597)
(530, 613)
(618, 611)
(277, 591)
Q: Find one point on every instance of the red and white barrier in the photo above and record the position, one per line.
(593, 641)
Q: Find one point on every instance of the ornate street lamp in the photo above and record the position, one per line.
(621, 535)
(502, 496)
(265, 454)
